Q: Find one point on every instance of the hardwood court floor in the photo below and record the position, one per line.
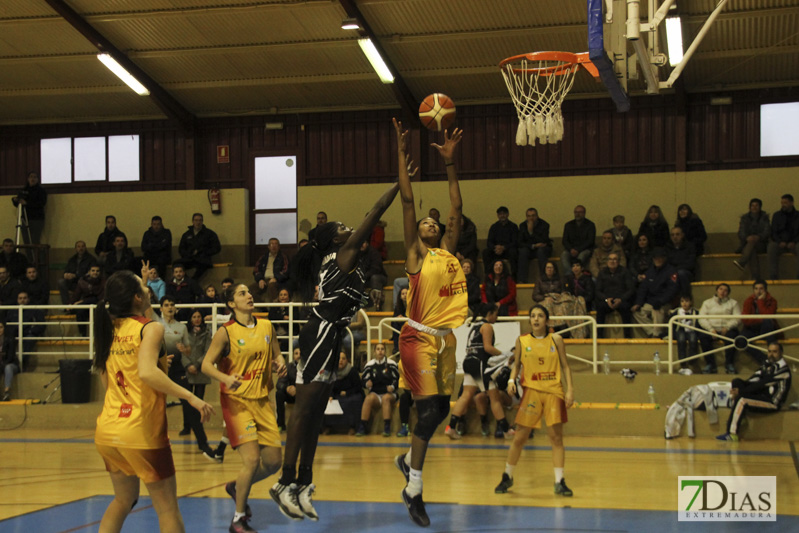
(42, 469)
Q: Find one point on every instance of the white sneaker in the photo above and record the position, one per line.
(510, 433)
(286, 498)
(451, 433)
(794, 406)
(304, 493)
(685, 371)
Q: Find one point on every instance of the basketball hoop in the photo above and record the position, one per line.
(538, 83)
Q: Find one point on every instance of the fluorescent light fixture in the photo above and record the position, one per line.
(674, 40)
(350, 24)
(371, 53)
(123, 74)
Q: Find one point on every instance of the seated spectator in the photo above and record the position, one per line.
(435, 214)
(374, 274)
(720, 304)
(37, 288)
(15, 262)
(579, 239)
(500, 289)
(467, 241)
(682, 256)
(534, 243)
(121, 258)
(472, 285)
(210, 297)
(357, 326)
(686, 337)
(224, 284)
(77, 267)
(581, 286)
(692, 227)
(377, 240)
(655, 293)
(784, 235)
(764, 392)
(33, 325)
(105, 241)
(182, 290)
(548, 289)
(8, 360)
(655, 227)
(760, 302)
(271, 273)
(321, 220)
(279, 317)
(286, 390)
(349, 394)
(198, 246)
(90, 290)
(400, 283)
(157, 285)
(503, 240)
(599, 259)
(156, 245)
(615, 291)
(641, 258)
(623, 236)
(401, 310)
(380, 379)
(754, 230)
(9, 287)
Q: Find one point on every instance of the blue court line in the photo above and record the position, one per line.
(185, 442)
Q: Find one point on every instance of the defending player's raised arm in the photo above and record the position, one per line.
(449, 241)
(348, 253)
(565, 369)
(406, 196)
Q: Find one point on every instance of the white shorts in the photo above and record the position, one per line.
(469, 381)
(380, 397)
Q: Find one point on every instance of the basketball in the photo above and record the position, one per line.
(437, 112)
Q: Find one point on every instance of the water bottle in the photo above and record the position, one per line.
(606, 364)
(651, 393)
(656, 359)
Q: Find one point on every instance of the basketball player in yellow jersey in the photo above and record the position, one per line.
(437, 303)
(131, 433)
(242, 356)
(541, 356)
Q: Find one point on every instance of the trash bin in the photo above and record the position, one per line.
(76, 380)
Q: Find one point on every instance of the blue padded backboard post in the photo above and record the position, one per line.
(600, 59)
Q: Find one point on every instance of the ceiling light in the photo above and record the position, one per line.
(350, 24)
(371, 53)
(123, 74)
(674, 40)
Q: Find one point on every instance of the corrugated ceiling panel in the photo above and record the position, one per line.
(750, 32)
(41, 38)
(123, 105)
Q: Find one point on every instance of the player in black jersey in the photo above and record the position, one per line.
(335, 250)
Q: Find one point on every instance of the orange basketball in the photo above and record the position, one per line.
(437, 112)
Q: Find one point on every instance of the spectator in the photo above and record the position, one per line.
(534, 243)
(623, 236)
(760, 302)
(357, 327)
(224, 284)
(210, 297)
(77, 267)
(90, 290)
(784, 235)
(197, 246)
(579, 284)
(472, 285)
(374, 274)
(279, 317)
(380, 379)
(685, 336)
(401, 310)
(8, 288)
(579, 236)
(681, 255)
(37, 288)
(655, 227)
(8, 360)
(692, 227)
(765, 391)
(467, 241)
(655, 294)
(615, 290)
(641, 258)
(349, 394)
(271, 273)
(176, 342)
(547, 290)
(378, 239)
(156, 246)
(754, 229)
(599, 259)
(34, 198)
(121, 258)
(436, 215)
(15, 262)
(157, 285)
(503, 240)
(105, 241)
(720, 304)
(182, 290)
(286, 389)
(33, 325)
(321, 220)
(500, 289)
(199, 342)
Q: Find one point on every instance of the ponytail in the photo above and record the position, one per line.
(120, 289)
(103, 335)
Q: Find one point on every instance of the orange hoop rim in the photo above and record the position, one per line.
(568, 62)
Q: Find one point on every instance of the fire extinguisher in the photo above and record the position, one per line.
(215, 199)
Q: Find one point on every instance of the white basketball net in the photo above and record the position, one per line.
(537, 95)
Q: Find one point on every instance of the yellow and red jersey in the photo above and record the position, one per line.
(134, 414)
(541, 365)
(250, 357)
(437, 296)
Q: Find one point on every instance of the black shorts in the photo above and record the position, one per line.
(320, 344)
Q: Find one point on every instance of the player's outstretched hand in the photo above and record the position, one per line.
(411, 166)
(402, 136)
(447, 150)
(205, 408)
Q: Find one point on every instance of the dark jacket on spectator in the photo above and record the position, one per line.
(290, 378)
(15, 262)
(372, 264)
(351, 385)
(539, 235)
(546, 286)
(640, 261)
(200, 247)
(682, 258)
(582, 237)
(467, 240)
(185, 292)
(659, 287)
(8, 350)
(759, 226)
(105, 241)
(280, 267)
(382, 375)
(124, 261)
(583, 286)
(157, 246)
(38, 290)
(80, 265)
(29, 330)
(35, 199)
(618, 284)
(89, 290)
(506, 235)
(473, 289)
(503, 294)
(658, 232)
(8, 292)
(785, 226)
(694, 230)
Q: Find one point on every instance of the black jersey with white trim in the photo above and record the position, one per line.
(341, 294)
(474, 343)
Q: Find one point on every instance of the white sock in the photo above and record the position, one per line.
(408, 458)
(558, 474)
(238, 516)
(509, 469)
(225, 439)
(414, 483)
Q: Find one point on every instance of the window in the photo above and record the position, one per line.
(71, 160)
(779, 129)
(276, 199)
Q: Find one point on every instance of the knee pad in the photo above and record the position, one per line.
(429, 416)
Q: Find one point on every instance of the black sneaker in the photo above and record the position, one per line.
(402, 466)
(230, 488)
(241, 526)
(286, 498)
(562, 489)
(184, 432)
(210, 454)
(416, 509)
(505, 484)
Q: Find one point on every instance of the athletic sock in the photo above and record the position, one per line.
(483, 419)
(305, 475)
(288, 476)
(408, 458)
(503, 425)
(414, 483)
(238, 516)
(453, 421)
(509, 469)
(558, 474)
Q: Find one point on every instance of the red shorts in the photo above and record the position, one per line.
(147, 464)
